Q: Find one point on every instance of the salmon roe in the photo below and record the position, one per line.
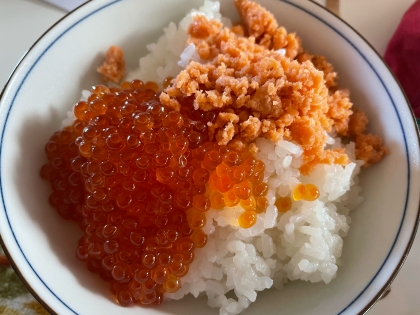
(283, 204)
(308, 192)
(139, 177)
(236, 178)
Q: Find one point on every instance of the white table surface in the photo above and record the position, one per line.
(23, 21)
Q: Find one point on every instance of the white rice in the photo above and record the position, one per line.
(164, 58)
(304, 243)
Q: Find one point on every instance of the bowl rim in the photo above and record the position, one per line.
(385, 288)
(383, 292)
(2, 243)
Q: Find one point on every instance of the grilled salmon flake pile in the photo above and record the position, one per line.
(261, 83)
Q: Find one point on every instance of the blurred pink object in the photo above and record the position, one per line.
(403, 55)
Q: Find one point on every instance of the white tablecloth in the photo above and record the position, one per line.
(23, 21)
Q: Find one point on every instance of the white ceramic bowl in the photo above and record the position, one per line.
(41, 245)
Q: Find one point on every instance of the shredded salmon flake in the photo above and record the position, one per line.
(257, 20)
(339, 111)
(260, 91)
(113, 68)
(321, 63)
(357, 123)
(370, 149)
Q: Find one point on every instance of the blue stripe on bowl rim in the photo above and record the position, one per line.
(285, 1)
(402, 129)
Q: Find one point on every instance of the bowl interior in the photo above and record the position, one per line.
(50, 79)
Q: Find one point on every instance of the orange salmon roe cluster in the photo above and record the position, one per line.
(283, 204)
(139, 177)
(238, 180)
(308, 192)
